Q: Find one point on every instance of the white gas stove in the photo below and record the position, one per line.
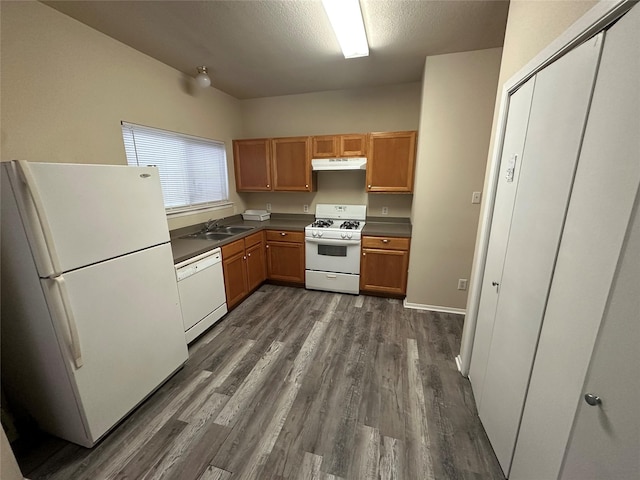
(333, 248)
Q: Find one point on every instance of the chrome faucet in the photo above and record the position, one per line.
(211, 225)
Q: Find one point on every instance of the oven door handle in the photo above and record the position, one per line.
(333, 241)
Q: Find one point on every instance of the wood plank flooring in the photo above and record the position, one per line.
(299, 384)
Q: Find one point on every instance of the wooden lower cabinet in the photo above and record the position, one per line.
(384, 265)
(285, 256)
(243, 266)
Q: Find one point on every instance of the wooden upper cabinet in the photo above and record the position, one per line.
(325, 146)
(353, 145)
(390, 162)
(252, 161)
(332, 146)
(291, 164)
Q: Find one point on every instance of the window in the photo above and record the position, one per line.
(193, 170)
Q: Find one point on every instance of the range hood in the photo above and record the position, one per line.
(351, 163)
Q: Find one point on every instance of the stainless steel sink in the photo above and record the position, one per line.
(209, 235)
(235, 229)
(220, 233)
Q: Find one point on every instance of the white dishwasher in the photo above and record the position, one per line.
(202, 294)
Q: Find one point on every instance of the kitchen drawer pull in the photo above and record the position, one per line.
(385, 240)
(283, 234)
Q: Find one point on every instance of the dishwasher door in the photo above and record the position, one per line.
(202, 293)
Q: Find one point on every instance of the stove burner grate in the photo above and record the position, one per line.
(322, 223)
(350, 224)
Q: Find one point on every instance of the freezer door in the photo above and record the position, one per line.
(130, 336)
(77, 215)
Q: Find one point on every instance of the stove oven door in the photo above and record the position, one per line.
(333, 255)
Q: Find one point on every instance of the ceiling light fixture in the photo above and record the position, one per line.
(202, 79)
(346, 19)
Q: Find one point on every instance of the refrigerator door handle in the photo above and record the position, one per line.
(27, 178)
(71, 322)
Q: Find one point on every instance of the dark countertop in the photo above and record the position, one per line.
(185, 248)
(387, 227)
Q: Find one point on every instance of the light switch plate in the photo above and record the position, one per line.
(305, 208)
(268, 207)
(385, 210)
(476, 197)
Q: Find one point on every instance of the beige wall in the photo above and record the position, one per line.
(389, 108)
(66, 87)
(458, 96)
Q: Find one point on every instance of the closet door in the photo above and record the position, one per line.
(510, 163)
(554, 134)
(594, 283)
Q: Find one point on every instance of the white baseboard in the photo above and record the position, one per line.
(434, 308)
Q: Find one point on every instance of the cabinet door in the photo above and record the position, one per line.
(384, 271)
(325, 146)
(252, 165)
(353, 145)
(235, 272)
(291, 164)
(390, 163)
(256, 268)
(285, 261)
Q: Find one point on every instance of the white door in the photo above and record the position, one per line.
(602, 203)
(605, 442)
(88, 213)
(510, 163)
(556, 124)
(130, 331)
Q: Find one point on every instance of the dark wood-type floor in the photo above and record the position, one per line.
(298, 384)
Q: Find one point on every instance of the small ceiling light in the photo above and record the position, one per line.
(202, 79)
(346, 19)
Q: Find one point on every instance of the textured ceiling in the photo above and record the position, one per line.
(269, 48)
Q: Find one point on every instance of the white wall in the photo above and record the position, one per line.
(66, 87)
(458, 96)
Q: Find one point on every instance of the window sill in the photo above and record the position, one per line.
(194, 211)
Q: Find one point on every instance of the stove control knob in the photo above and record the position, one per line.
(349, 235)
(319, 234)
(314, 233)
(343, 235)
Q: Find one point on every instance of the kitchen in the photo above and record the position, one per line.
(79, 98)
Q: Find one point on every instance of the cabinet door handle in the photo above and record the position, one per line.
(248, 254)
(244, 258)
(268, 186)
(364, 254)
(368, 186)
(267, 246)
(306, 186)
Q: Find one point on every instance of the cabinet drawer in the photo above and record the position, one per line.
(388, 243)
(285, 236)
(253, 239)
(232, 249)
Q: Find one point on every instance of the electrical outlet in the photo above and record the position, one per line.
(305, 208)
(385, 210)
(462, 284)
(475, 197)
(268, 207)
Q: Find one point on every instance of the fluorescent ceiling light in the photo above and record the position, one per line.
(346, 19)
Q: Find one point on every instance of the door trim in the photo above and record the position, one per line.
(595, 20)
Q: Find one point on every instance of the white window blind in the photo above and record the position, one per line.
(193, 170)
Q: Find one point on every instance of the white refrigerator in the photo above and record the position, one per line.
(90, 314)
